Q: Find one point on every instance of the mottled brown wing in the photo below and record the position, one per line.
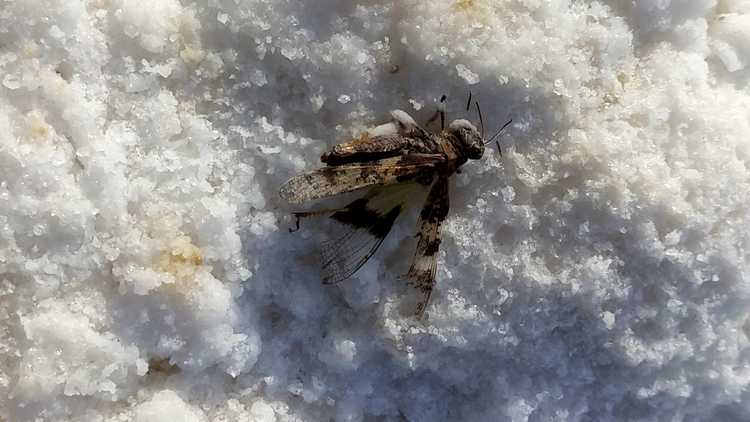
(366, 148)
(333, 180)
(421, 274)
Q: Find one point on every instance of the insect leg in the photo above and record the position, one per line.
(421, 274)
(440, 112)
(307, 214)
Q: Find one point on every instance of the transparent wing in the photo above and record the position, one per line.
(361, 228)
(421, 274)
(333, 180)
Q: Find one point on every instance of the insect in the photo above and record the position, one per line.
(392, 160)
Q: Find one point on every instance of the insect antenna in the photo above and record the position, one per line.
(498, 131)
(481, 121)
(468, 102)
(497, 134)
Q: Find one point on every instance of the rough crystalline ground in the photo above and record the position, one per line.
(598, 270)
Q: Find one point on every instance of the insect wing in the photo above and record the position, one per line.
(360, 228)
(365, 149)
(333, 180)
(421, 274)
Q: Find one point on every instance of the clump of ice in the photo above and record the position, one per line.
(154, 27)
(166, 404)
(595, 271)
(467, 75)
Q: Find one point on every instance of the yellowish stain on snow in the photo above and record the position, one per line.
(30, 49)
(182, 260)
(192, 55)
(189, 31)
(473, 13)
(38, 128)
(464, 4)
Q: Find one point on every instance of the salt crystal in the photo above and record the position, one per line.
(508, 193)
(11, 82)
(317, 101)
(269, 150)
(467, 75)
(258, 78)
(558, 87)
(55, 32)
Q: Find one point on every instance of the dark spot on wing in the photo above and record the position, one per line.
(372, 171)
(358, 215)
(362, 231)
(330, 174)
(432, 247)
(438, 205)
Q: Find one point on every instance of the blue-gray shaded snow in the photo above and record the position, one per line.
(598, 270)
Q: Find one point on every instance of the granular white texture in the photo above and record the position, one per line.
(597, 271)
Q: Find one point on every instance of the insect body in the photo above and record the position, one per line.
(392, 160)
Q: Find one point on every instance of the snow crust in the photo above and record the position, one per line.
(597, 271)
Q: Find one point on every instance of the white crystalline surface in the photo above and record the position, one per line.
(598, 270)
